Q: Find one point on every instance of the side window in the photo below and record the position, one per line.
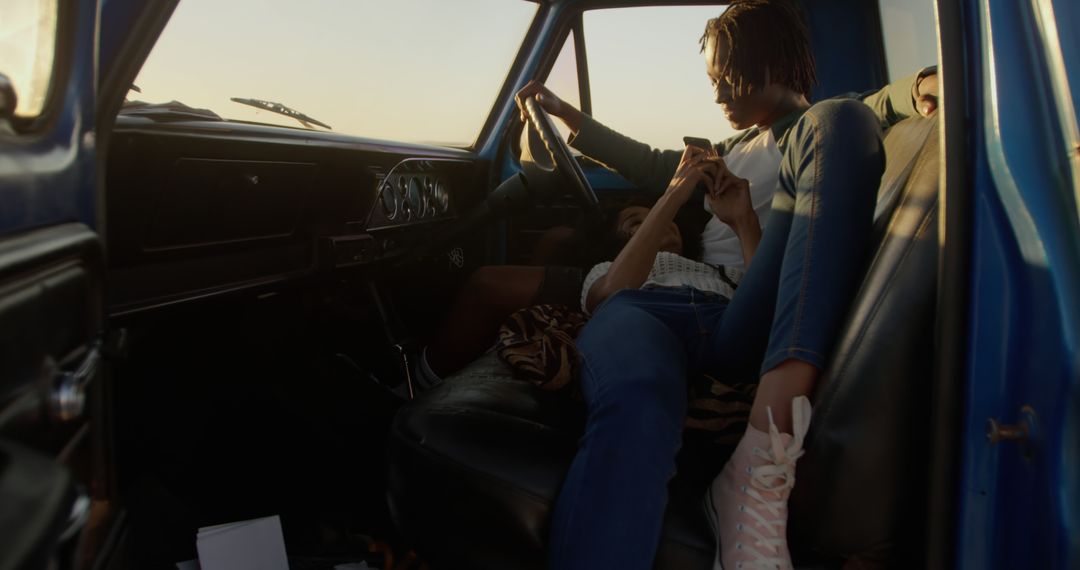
(563, 79)
(646, 76)
(910, 33)
(27, 51)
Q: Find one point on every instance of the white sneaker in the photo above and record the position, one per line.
(747, 502)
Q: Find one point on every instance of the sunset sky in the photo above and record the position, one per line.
(429, 70)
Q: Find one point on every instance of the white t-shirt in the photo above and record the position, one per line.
(757, 160)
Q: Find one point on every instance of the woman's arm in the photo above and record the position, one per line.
(633, 264)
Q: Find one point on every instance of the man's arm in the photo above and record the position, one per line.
(645, 167)
(897, 100)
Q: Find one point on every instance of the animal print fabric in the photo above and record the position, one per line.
(537, 344)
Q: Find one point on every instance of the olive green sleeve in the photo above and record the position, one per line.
(893, 103)
(647, 168)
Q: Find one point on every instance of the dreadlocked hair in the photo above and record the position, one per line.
(768, 42)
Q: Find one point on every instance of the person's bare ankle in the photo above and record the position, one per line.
(778, 387)
(760, 419)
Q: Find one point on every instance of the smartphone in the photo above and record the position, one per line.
(701, 143)
(709, 149)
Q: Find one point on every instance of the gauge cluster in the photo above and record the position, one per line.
(415, 191)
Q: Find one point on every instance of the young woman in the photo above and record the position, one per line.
(677, 261)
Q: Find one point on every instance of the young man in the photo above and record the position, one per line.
(821, 167)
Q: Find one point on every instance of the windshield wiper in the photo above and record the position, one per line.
(282, 110)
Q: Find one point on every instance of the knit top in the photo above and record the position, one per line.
(673, 270)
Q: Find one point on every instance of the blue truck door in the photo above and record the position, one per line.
(1019, 499)
(51, 274)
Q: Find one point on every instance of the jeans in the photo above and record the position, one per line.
(640, 345)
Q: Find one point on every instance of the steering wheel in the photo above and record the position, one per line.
(551, 156)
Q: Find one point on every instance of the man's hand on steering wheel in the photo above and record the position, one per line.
(538, 105)
(551, 103)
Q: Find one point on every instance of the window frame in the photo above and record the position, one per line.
(494, 130)
(582, 62)
(563, 30)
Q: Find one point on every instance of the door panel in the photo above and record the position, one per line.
(1021, 386)
(52, 448)
(49, 301)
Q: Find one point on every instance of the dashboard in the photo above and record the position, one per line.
(200, 208)
(413, 195)
(417, 190)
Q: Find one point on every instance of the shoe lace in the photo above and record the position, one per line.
(768, 481)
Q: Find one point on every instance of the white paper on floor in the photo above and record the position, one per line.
(257, 544)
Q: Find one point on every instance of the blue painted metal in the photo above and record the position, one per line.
(506, 111)
(836, 26)
(1068, 16)
(530, 56)
(49, 175)
(117, 17)
(1015, 511)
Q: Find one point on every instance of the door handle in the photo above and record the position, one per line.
(1020, 432)
(68, 398)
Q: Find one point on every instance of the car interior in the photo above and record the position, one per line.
(270, 287)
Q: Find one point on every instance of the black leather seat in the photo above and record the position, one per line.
(476, 463)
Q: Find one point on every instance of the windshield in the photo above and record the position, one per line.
(409, 70)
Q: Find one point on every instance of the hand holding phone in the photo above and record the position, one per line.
(710, 152)
(701, 143)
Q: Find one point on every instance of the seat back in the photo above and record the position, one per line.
(861, 484)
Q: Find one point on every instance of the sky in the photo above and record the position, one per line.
(429, 70)
(27, 28)
(647, 76)
(413, 70)
(907, 45)
(424, 70)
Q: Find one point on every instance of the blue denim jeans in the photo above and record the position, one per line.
(641, 345)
